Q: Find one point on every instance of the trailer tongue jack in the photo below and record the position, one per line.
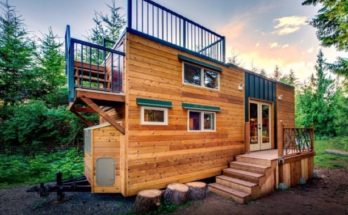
(72, 185)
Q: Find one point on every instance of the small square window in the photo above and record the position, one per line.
(192, 74)
(211, 79)
(154, 116)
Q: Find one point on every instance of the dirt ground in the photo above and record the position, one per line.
(326, 194)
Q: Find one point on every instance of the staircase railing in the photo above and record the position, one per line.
(164, 25)
(91, 66)
(295, 141)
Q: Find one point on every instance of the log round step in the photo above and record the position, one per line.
(176, 193)
(197, 190)
(147, 200)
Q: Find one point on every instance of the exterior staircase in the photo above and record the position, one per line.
(246, 179)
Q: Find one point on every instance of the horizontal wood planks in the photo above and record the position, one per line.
(286, 105)
(105, 144)
(293, 170)
(159, 155)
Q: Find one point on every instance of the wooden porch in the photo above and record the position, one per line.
(256, 174)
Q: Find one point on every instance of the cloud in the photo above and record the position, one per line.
(285, 46)
(273, 45)
(289, 24)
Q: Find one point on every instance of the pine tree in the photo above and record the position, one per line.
(51, 60)
(17, 80)
(107, 26)
(263, 72)
(277, 74)
(315, 104)
(331, 23)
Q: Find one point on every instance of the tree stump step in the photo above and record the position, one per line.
(176, 193)
(197, 190)
(147, 200)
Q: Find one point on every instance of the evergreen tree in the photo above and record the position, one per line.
(315, 104)
(289, 79)
(277, 74)
(263, 72)
(17, 80)
(51, 64)
(107, 26)
(331, 23)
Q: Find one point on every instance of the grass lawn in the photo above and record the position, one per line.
(325, 160)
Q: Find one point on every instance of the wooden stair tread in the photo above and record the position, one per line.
(250, 164)
(251, 174)
(237, 181)
(229, 190)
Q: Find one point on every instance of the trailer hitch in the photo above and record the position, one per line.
(80, 184)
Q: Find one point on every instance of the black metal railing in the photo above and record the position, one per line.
(92, 66)
(156, 21)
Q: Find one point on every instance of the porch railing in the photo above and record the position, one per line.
(158, 22)
(91, 66)
(295, 141)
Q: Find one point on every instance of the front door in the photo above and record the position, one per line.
(260, 126)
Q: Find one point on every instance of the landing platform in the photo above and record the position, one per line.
(265, 154)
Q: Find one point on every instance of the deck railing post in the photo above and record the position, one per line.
(129, 14)
(312, 138)
(184, 33)
(280, 139)
(224, 49)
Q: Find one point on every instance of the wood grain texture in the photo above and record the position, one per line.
(286, 106)
(159, 155)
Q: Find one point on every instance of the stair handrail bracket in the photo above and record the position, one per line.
(93, 67)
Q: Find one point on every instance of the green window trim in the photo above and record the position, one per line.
(154, 103)
(199, 63)
(200, 107)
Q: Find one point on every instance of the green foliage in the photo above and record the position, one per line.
(107, 26)
(51, 64)
(277, 74)
(17, 80)
(19, 169)
(315, 103)
(325, 160)
(33, 127)
(332, 25)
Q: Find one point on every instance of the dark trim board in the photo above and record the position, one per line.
(154, 103)
(190, 106)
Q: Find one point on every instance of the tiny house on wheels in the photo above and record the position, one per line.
(172, 110)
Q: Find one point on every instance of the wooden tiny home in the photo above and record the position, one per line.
(171, 110)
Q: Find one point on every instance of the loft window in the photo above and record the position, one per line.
(201, 121)
(154, 116)
(199, 76)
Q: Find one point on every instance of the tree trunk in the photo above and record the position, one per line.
(176, 193)
(147, 200)
(197, 190)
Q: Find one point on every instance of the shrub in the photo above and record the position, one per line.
(33, 127)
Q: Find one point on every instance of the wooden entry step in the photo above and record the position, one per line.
(237, 195)
(246, 179)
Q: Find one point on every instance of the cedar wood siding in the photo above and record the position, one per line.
(158, 155)
(286, 106)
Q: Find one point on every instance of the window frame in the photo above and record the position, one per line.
(202, 71)
(201, 121)
(142, 115)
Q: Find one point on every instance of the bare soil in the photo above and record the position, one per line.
(325, 194)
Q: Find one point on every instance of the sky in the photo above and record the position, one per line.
(261, 33)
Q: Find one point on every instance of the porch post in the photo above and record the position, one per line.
(280, 139)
